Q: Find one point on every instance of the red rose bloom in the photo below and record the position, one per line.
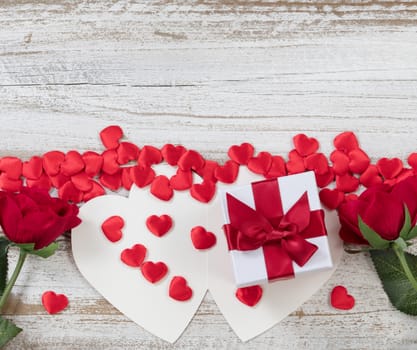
(381, 208)
(33, 216)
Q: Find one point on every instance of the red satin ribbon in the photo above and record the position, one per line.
(281, 236)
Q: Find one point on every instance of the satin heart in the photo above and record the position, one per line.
(208, 170)
(149, 155)
(82, 182)
(241, 154)
(331, 198)
(42, 183)
(317, 162)
(32, 169)
(172, 153)
(93, 163)
(182, 180)
(159, 225)
(12, 166)
(110, 136)
(389, 168)
(134, 256)
(11, 185)
(201, 238)
(72, 164)
(59, 180)
(347, 183)
(179, 289)
(305, 145)
(346, 142)
(359, 161)
(52, 162)
(112, 228)
(249, 296)
(69, 192)
(340, 299)
(54, 303)
(340, 162)
(154, 272)
(191, 160)
(277, 168)
(370, 177)
(203, 192)
(142, 176)
(412, 161)
(110, 165)
(261, 163)
(112, 182)
(161, 188)
(326, 178)
(96, 191)
(127, 152)
(227, 173)
(295, 163)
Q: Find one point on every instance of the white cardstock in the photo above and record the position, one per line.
(149, 304)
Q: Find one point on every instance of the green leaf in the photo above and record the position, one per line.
(412, 234)
(394, 280)
(407, 223)
(8, 330)
(45, 252)
(374, 239)
(4, 246)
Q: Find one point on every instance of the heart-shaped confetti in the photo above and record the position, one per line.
(154, 272)
(203, 192)
(142, 176)
(42, 183)
(201, 238)
(161, 188)
(325, 179)
(111, 135)
(227, 173)
(295, 163)
(182, 180)
(68, 192)
(149, 155)
(52, 162)
(347, 183)
(96, 190)
(159, 225)
(241, 154)
(12, 166)
(261, 163)
(208, 170)
(112, 182)
(72, 164)
(54, 303)
(134, 256)
(110, 165)
(172, 153)
(389, 168)
(82, 182)
(340, 299)
(317, 162)
(412, 161)
(331, 198)
(277, 168)
(370, 177)
(305, 145)
(358, 161)
(10, 184)
(249, 296)
(340, 162)
(112, 228)
(93, 163)
(32, 169)
(346, 142)
(126, 178)
(179, 289)
(127, 152)
(191, 160)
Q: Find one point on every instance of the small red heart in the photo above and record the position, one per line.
(241, 154)
(201, 238)
(208, 170)
(346, 142)
(325, 179)
(159, 225)
(112, 228)
(32, 169)
(191, 160)
(370, 177)
(59, 180)
(82, 182)
(134, 256)
(68, 192)
(127, 152)
(154, 272)
(182, 180)
(110, 165)
(93, 163)
(179, 289)
(52, 162)
(142, 176)
(228, 172)
(127, 181)
(389, 168)
(305, 145)
(317, 162)
(7, 184)
(331, 198)
(54, 303)
(161, 189)
(42, 183)
(340, 299)
(149, 155)
(96, 190)
(172, 153)
(249, 296)
(72, 164)
(359, 161)
(203, 192)
(277, 168)
(112, 182)
(412, 161)
(340, 162)
(12, 166)
(111, 135)
(261, 163)
(295, 163)
(404, 174)
(347, 183)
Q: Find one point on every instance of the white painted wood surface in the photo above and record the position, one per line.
(207, 74)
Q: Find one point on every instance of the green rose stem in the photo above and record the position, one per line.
(12, 281)
(401, 257)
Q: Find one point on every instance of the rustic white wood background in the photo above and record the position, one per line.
(207, 74)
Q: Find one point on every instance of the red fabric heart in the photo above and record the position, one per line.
(277, 168)
(112, 228)
(191, 160)
(179, 289)
(59, 180)
(154, 272)
(203, 192)
(72, 164)
(331, 198)
(228, 172)
(340, 162)
(347, 183)
(127, 181)
(142, 176)
(112, 182)
(54, 303)
(9, 184)
(346, 142)
(110, 165)
(370, 177)
(52, 162)
(295, 163)
(42, 183)
(161, 189)
(249, 296)
(325, 179)
(317, 162)
(127, 152)
(93, 163)
(261, 163)
(208, 170)
(241, 154)
(389, 168)
(111, 135)
(201, 238)
(172, 153)
(412, 161)
(149, 155)
(305, 145)
(82, 182)
(32, 169)
(340, 299)
(159, 225)
(134, 256)
(12, 166)
(359, 161)
(96, 190)
(182, 180)
(70, 193)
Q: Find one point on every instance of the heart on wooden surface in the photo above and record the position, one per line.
(165, 308)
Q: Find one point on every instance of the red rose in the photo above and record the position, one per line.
(381, 208)
(33, 216)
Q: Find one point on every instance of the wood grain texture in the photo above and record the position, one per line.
(207, 74)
